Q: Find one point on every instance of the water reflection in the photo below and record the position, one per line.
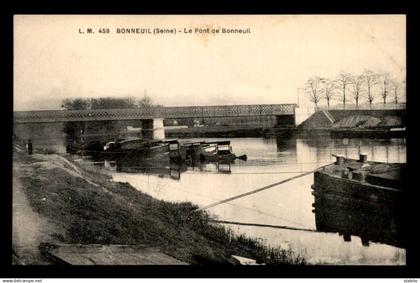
(290, 204)
(172, 171)
(164, 168)
(373, 221)
(390, 150)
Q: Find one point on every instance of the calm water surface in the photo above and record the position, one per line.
(289, 205)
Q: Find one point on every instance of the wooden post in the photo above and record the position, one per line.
(363, 157)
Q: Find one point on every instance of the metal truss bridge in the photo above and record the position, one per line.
(59, 116)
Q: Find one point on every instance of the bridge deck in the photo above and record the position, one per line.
(56, 116)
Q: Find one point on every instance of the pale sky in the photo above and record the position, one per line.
(53, 61)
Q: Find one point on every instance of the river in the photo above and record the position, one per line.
(287, 205)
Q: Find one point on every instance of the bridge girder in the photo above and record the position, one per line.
(59, 116)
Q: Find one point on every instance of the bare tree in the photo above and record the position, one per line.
(395, 87)
(403, 89)
(370, 79)
(357, 86)
(76, 104)
(312, 87)
(328, 90)
(384, 82)
(145, 102)
(343, 80)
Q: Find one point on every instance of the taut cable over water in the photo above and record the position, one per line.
(267, 226)
(263, 188)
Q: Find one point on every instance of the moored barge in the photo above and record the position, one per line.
(361, 198)
(167, 149)
(212, 151)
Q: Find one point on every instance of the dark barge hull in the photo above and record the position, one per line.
(143, 153)
(226, 158)
(349, 206)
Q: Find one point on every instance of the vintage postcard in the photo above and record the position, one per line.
(209, 139)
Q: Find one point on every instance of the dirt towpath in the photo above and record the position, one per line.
(29, 228)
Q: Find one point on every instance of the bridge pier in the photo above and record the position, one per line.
(153, 129)
(285, 121)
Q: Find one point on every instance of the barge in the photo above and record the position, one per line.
(213, 151)
(140, 150)
(218, 151)
(361, 198)
(134, 149)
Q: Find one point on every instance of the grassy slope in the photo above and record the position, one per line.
(116, 213)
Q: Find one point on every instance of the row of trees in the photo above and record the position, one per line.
(75, 131)
(355, 87)
(106, 103)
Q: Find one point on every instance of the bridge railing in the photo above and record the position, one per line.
(49, 116)
(229, 110)
(55, 116)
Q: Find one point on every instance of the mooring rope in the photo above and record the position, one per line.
(262, 189)
(265, 225)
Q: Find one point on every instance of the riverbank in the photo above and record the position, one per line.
(79, 205)
(336, 132)
(215, 132)
(354, 124)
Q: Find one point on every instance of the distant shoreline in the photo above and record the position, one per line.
(241, 132)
